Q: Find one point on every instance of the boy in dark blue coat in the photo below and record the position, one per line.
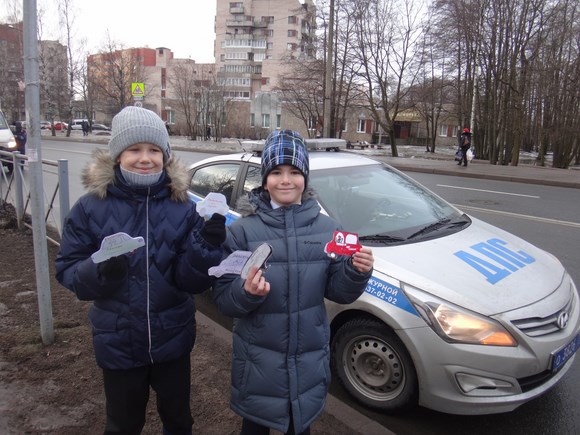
(281, 352)
(143, 312)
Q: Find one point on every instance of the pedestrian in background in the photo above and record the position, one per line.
(85, 127)
(143, 312)
(464, 145)
(281, 356)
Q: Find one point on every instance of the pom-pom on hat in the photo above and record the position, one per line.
(284, 147)
(466, 130)
(137, 125)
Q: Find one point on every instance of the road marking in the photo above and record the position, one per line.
(520, 216)
(487, 191)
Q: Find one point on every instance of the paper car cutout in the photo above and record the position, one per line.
(115, 245)
(258, 258)
(213, 203)
(342, 243)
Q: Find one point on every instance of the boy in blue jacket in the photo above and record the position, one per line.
(143, 311)
(281, 355)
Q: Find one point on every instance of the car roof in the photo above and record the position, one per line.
(318, 159)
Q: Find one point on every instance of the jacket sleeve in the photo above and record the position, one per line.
(196, 257)
(75, 269)
(228, 292)
(345, 283)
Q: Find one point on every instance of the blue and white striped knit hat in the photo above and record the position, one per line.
(284, 147)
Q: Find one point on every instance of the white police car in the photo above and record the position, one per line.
(459, 316)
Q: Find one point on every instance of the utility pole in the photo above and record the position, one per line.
(328, 73)
(32, 106)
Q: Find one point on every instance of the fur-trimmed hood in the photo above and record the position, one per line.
(99, 174)
(248, 204)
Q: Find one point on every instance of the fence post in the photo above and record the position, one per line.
(18, 189)
(64, 191)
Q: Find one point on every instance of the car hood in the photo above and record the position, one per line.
(481, 268)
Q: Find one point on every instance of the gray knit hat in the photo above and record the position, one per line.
(285, 147)
(137, 125)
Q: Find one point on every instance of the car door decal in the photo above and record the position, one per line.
(390, 294)
(500, 261)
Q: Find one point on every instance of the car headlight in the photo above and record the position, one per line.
(12, 143)
(458, 325)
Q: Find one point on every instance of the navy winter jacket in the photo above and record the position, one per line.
(281, 356)
(149, 315)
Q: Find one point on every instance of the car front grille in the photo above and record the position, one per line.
(539, 326)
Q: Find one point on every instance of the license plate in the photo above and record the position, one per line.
(560, 357)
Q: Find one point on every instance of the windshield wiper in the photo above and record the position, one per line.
(381, 238)
(442, 223)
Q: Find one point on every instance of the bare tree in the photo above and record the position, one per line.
(301, 91)
(67, 18)
(183, 78)
(387, 34)
(111, 73)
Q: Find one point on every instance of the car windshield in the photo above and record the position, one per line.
(384, 206)
(3, 123)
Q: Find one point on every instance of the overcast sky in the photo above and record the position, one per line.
(184, 26)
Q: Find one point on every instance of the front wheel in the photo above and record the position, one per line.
(373, 365)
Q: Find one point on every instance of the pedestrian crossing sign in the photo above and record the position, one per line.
(137, 89)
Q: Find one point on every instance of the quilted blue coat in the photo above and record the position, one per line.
(281, 355)
(148, 316)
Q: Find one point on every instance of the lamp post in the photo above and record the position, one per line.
(32, 103)
(328, 73)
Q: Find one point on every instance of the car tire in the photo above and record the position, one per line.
(373, 365)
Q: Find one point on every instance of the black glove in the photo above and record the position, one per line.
(214, 230)
(114, 268)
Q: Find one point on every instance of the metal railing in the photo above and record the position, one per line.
(14, 189)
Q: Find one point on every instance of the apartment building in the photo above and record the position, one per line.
(252, 37)
(54, 86)
(163, 83)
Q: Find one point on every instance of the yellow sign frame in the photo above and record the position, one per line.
(138, 89)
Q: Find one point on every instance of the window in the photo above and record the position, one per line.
(265, 120)
(253, 178)
(278, 121)
(292, 20)
(292, 33)
(361, 127)
(237, 95)
(216, 178)
(252, 119)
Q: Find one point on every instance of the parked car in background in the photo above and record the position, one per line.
(77, 124)
(459, 316)
(59, 125)
(23, 124)
(45, 125)
(7, 143)
(101, 127)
